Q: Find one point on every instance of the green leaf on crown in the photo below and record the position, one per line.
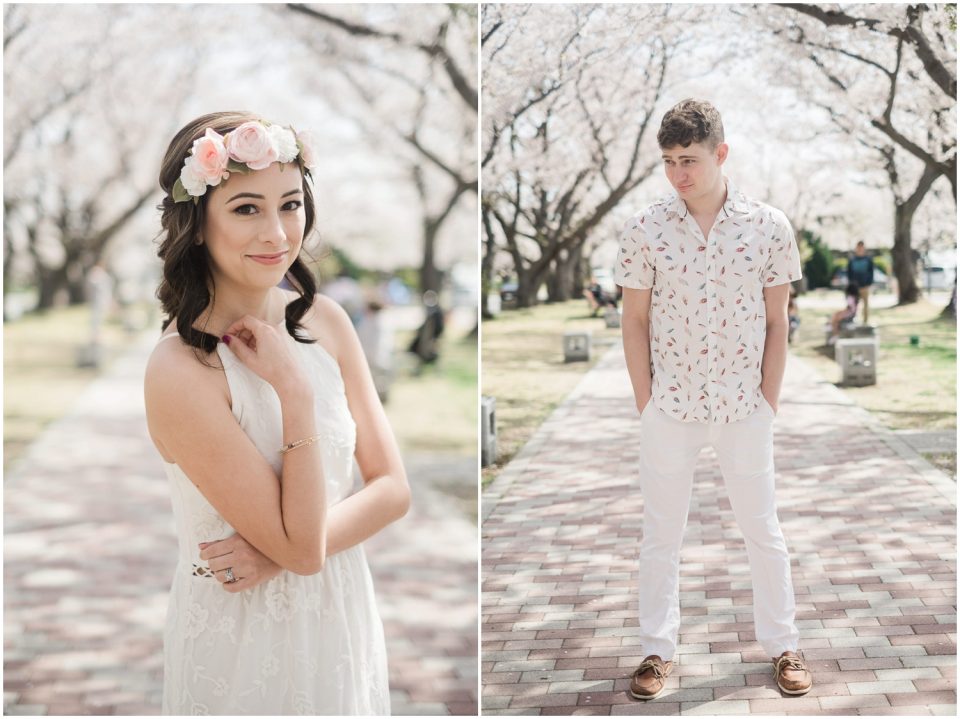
(180, 193)
(234, 166)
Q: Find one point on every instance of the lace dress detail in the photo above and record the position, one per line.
(296, 644)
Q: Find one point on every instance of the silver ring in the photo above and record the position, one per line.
(230, 578)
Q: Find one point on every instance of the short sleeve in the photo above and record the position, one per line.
(633, 270)
(783, 262)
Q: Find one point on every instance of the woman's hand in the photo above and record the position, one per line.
(250, 567)
(263, 349)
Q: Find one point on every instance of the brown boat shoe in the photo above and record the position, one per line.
(649, 678)
(792, 674)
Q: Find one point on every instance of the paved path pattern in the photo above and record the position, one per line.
(89, 547)
(869, 523)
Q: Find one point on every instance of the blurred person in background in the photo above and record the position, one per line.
(860, 273)
(424, 344)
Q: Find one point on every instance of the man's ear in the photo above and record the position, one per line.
(722, 150)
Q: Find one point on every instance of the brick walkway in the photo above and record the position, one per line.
(88, 558)
(870, 526)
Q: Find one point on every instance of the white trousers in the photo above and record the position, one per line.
(668, 457)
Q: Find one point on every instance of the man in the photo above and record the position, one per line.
(706, 276)
(860, 273)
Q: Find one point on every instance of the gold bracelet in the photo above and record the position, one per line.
(299, 443)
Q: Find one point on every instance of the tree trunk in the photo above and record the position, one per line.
(528, 284)
(562, 282)
(904, 264)
(950, 310)
(429, 276)
(77, 288)
(486, 265)
(580, 271)
(50, 283)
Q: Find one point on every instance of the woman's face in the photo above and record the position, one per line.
(254, 226)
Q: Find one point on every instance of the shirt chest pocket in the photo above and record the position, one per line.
(742, 261)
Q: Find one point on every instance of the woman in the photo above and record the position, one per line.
(258, 399)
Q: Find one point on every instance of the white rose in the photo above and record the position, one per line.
(192, 181)
(285, 142)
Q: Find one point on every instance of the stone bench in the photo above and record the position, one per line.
(576, 346)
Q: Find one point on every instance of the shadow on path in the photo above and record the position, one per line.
(89, 550)
(869, 523)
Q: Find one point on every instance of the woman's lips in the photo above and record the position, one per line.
(273, 259)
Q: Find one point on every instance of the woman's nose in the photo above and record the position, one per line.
(273, 230)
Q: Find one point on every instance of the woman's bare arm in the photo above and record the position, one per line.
(283, 518)
(385, 496)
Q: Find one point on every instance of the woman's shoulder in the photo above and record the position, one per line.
(327, 322)
(175, 365)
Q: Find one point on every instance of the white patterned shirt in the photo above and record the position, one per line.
(707, 312)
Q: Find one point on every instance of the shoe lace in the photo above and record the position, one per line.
(790, 663)
(657, 667)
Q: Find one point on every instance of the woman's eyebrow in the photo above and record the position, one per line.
(255, 196)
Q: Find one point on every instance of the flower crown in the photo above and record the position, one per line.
(252, 146)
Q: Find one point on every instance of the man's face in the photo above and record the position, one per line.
(694, 171)
(861, 249)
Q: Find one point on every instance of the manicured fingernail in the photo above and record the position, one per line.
(226, 340)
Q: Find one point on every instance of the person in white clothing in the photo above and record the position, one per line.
(706, 279)
(259, 400)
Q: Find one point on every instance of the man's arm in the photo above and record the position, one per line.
(636, 342)
(776, 300)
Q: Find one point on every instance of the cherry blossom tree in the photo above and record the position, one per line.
(405, 75)
(885, 75)
(79, 161)
(569, 94)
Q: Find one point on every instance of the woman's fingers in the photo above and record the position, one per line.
(209, 550)
(237, 586)
(222, 562)
(249, 323)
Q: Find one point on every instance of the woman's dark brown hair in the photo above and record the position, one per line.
(185, 290)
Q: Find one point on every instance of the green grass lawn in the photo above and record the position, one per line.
(40, 377)
(436, 411)
(434, 414)
(916, 385)
(523, 368)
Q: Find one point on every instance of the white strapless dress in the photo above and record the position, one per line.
(293, 645)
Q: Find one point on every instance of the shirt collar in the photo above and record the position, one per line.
(736, 202)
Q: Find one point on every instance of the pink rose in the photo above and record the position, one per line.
(251, 144)
(209, 158)
(308, 150)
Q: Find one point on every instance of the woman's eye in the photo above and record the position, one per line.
(245, 209)
(293, 205)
